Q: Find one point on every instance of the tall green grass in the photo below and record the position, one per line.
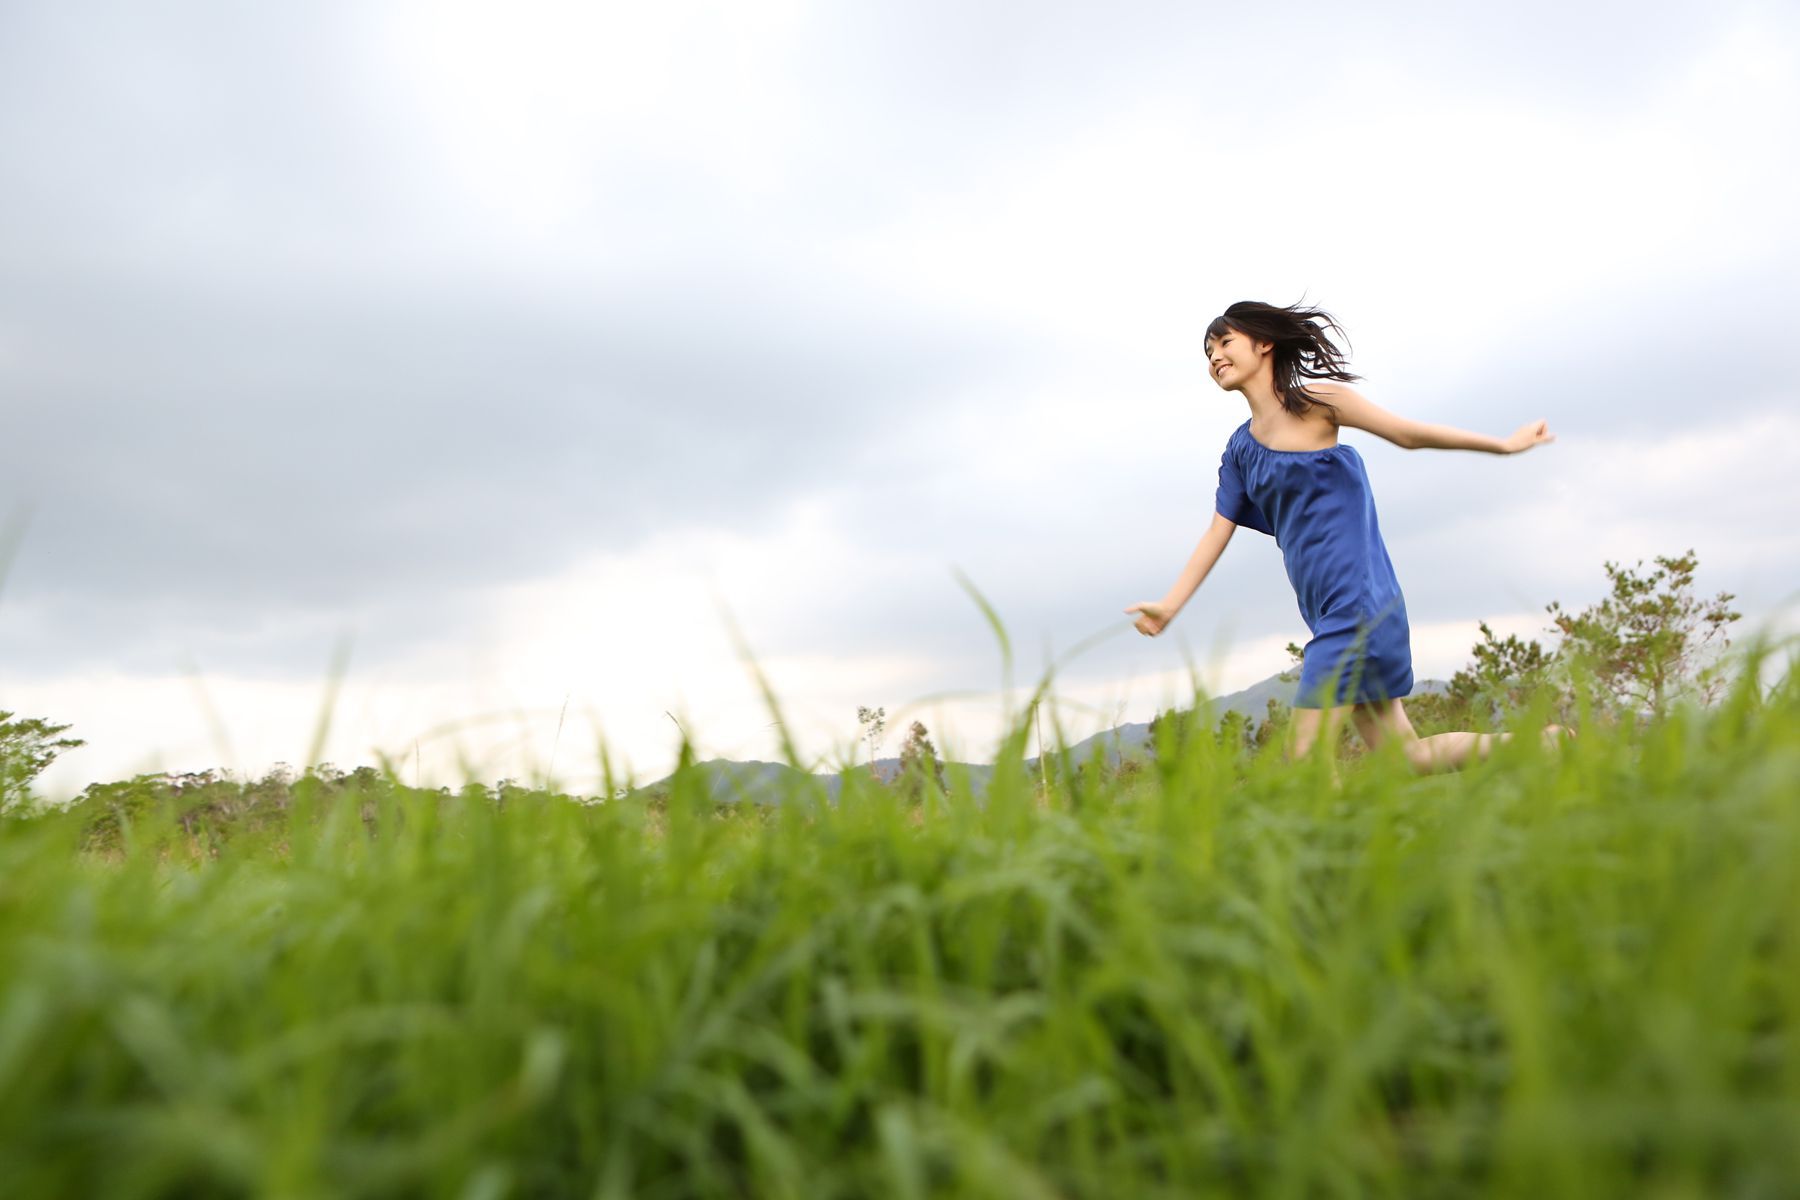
(1571, 974)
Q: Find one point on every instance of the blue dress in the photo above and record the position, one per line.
(1318, 506)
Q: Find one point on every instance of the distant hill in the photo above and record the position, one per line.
(766, 783)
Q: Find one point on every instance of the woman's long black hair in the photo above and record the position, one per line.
(1303, 347)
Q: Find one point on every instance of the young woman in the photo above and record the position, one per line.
(1285, 473)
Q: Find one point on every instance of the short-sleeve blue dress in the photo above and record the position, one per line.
(1319, 507)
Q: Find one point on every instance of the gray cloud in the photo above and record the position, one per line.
(267, 371)
(307, 454)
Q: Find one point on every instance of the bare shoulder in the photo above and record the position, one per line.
(1350, 409)
(1338, 395)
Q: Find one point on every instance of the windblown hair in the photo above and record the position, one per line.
(1303, 347)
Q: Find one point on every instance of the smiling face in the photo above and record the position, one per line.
(1234, 357)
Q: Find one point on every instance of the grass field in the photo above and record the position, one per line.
(1573, 975)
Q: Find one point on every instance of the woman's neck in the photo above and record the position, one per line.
(1264, 402)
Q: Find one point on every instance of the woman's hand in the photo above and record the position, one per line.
(1153, 617)
(1527, 436)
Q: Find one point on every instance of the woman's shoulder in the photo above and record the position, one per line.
(1333, 394)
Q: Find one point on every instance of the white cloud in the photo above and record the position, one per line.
(1721, 490)
(1077, 201)
(547, 123)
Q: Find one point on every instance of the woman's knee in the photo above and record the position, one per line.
(1421, 756)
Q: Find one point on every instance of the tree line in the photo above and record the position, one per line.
(1653, 641)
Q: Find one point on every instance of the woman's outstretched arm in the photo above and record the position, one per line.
(1154, 615)
(1357, 412)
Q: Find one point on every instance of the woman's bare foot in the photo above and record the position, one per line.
(1555, 734)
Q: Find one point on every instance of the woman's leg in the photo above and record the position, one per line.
(1309, 724)
(1379, 722)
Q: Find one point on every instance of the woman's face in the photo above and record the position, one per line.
(1234, 357)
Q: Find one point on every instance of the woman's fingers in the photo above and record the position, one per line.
(1534, 433)
(1150, 618)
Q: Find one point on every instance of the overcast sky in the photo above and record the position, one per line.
(511, 347)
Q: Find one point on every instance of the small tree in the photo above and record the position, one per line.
(1277, 717)
(918, 763)
(1652, 640)
(874, 723)
(1506, 674)
(27, 747)
(1237, 730)
(1169, 732)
